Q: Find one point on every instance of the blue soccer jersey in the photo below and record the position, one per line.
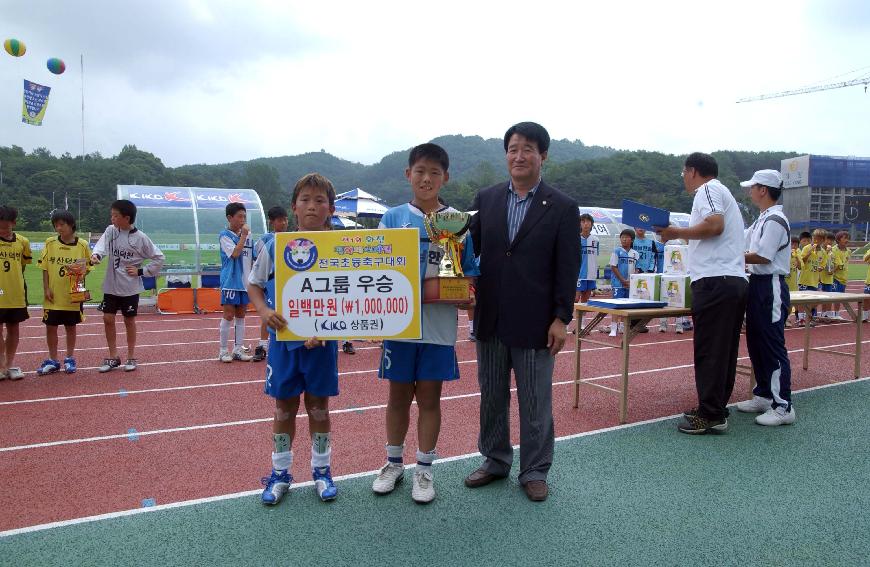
(625, 261)
(234, 271)
(438, 320)
(589, 248)
(646, 250)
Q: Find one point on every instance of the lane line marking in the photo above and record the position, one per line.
(351, 476)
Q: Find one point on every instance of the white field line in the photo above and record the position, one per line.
(342, 478)
(361, 409)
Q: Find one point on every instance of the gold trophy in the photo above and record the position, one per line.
(448, 230)
(76, 271)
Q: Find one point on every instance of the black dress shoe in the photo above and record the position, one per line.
(480, 477)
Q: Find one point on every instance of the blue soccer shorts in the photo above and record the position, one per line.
(620, 293)
(585, 285)
(409, 362)
(839, 287)
(826, 287)
(289, 372)
(234, 297)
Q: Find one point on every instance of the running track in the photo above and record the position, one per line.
(185, 426)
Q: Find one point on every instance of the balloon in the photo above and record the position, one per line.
(55, 65)
(14, 47)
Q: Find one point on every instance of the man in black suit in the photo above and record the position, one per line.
(526, 234)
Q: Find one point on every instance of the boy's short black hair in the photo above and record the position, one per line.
(8, 213)
(233, 208)
(806, 234)
(65, 216)
(704, 164)
(587, 216)
(795, 239)
(841, 234)
(429, 151)
(530, 131)
(277, 212)
(125, 208)
(628, 232)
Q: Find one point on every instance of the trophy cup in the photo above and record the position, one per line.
(78, 293)
(448, 230)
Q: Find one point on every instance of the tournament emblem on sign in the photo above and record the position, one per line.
(300, 254)
(644, 217)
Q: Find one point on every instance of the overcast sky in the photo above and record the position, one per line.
(196, 81)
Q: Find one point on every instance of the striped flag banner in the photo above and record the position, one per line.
(35, 103)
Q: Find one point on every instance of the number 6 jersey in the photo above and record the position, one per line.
(55, 260)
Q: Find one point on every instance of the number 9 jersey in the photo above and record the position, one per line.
(14, 255)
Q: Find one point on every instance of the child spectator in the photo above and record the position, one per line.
(813, 257)
(297, 367)
(278, 222)
(795, 265)
(589, 249)
(826, 277)
(841, 266)
(622, 264)
(237, 251)
(418, 368)
(64, 257)
(127, 248)
(14, 256)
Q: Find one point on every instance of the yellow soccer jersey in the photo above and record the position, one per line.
(867, 260)
(812, 266)
(841, 264)
(56, 256)
(795, 265)
(14, 255)
(826, 276)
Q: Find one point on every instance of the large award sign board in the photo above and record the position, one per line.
(348, 284)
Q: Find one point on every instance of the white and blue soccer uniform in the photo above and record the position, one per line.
(432, 357)
(646, 250)
(290, 367)
(625, 261)
(589, 249)
(234, 271)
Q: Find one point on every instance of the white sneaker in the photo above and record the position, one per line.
(225, 357)
(423, 490)
(389, 475)
(678, 329)
(756, 405)
(776, 416)
(240, 355)
(663, 328)
(612, 333)
(15, 373)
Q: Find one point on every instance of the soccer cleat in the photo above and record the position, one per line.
(241, 356)
(687, 326)
(130, 365)
(697, 425)
(69, 365)
(259, 354)
(48, 366)
(347, 348)
(423, 488)
(776, 416)
(15, 373)
(276, 485)
(389, 476)
(756, 405)
(4, 375)
(323, 484)
(109, 364)
(678, 329)
(663, 328)
(225, 357)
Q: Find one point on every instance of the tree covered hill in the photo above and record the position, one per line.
(593, 175)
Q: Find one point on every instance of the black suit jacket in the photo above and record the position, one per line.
(525, 284)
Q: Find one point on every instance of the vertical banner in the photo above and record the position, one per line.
(348, 284)
(35, 103)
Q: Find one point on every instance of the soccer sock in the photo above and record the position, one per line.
(866, 314)
(321, 450)
(394, 453)
(613, 327)
(424, 460)
(225, 333)
(239, 335)
(282, 456)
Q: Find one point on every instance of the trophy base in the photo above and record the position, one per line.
(455, 291)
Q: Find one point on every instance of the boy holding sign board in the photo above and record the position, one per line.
(294, 367)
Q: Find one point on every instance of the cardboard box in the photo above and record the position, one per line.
(676, 290)
(676, 259)
(644, 286)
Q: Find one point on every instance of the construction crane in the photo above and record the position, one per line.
(861, 81)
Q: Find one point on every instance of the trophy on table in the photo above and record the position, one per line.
(76, 271)
(448, 230)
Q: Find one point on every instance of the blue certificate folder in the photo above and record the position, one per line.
(626, 303)
(643, 216)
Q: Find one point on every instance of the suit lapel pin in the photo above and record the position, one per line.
(544, 203)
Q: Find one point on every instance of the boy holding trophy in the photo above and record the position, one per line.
(64, 263)
(418, 368)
